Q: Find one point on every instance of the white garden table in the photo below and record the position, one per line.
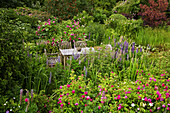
(69, 52)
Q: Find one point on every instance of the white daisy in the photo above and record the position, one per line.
(151, 104)
(132, 104)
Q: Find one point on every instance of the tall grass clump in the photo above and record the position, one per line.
(157, 37)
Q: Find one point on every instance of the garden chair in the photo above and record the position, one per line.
(79, 45)
(65, 45)
(51, 61)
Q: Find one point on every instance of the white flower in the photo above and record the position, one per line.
(10, 109)
(19, 106)
(144, 104)
(13, 97)
(142, 98)
(151, 104)
(5, 104)
(132, 104)
(138, 108)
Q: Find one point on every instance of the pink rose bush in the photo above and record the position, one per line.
(111, 95)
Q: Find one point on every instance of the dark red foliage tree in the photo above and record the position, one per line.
(154, 15)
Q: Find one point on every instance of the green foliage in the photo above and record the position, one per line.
(32, 14)
(84, 5)
(113, 20)
(63, 9)
(128, 6)
(129, 28)
(105, 5)
(99, 16)
(19, 3)
(96, 32)
(157, 37)
(83, 18)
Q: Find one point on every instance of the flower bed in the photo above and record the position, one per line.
(112, 95)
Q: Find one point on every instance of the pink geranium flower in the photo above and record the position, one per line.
(73, 91)
(26, 100)
(85, 93)
(68, 85)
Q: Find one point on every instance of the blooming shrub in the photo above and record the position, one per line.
(154, 14)
(72, 31)
(111, 95)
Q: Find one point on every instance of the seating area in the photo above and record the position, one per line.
(65, 52)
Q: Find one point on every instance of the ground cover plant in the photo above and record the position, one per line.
(128, 70)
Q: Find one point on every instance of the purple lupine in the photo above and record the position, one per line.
(115, 44)
(141, 49)
(125, 43)
(121, 50)
(137, 50)
(21, 92)
(115, 40)
(109, 37)
(120, 59)
(79, 62)
(127, 57)
(126, 49)
(84, 59)
(118, 43)
(134, 44)
(50, 78)
(84, 68)
(133, 48)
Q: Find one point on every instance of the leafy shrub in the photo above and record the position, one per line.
(12, 59)
(114, 19)
(99, 16)
(32, 13)
(19, 3)
(104, 6)
(129, 27)
(96, 32)
(128, 7)
(154, 14)
(83, 18)
(63, 9)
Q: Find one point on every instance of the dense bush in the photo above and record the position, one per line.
(63, 9)
(154, 15)
(128, 7)
(84, 18)
(123, 26)
(96, 32)
(32, 14)
(114, 19)
(19, 3)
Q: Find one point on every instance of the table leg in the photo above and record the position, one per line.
(64, 62)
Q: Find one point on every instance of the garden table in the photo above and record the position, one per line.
(69, 52)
